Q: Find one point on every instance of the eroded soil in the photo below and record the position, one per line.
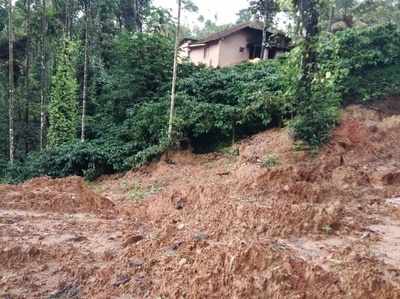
(265, 219)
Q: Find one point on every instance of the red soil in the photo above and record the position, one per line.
(219, 225)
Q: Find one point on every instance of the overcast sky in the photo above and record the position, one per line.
(225, 10)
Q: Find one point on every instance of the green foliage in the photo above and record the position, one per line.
(128, 121)
(349, 64)
(239, 100)
(140, 70)
(89, 159)
(270, 161)
(383, 81)
(63, 112)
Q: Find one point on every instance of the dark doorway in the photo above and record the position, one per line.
(254, 51)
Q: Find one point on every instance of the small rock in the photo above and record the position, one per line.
(182, 262)
(68, 291)
(121, 280)
(262, 228)
(394, 201)
(170, 252)
(176, 245)
(180, 204)
(136, 263)
(200, 237)
(223, 173)
(181, 226)
(132, 240)
(77, 239)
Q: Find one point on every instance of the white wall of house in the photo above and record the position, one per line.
(208, 55)
(234, 49)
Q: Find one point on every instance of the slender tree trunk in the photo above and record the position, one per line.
(43, 76)
(11, 89)
(67, 19)
(309, 15)
(297, 31)
(331, 15)
(135, 15)
(174, 73)
(85, 76)
(264, 50)
(27, 73)
(268, 7)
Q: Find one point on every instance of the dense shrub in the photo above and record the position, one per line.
(355, 64)
(217, 105)
(84, 159)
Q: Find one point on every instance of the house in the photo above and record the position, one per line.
(233, 46)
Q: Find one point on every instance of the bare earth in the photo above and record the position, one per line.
(273, 221)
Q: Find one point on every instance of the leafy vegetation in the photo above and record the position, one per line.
(63, 112)
(128, 73)
(270, 161)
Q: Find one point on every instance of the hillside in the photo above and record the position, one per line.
(265, 219)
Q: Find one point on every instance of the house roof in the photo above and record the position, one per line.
(227, 32)
(187, 39)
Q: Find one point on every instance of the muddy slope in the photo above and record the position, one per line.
(265, 220)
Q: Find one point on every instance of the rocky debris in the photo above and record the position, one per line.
(77, 239)
(200, 236)
(391, 178)
(121, 280)
(136, 263)
(69, 291)
(180, 204)
(314, 225)
(68, 195)
(394, 201)
(132, 240)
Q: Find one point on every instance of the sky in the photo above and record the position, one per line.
(225, 10)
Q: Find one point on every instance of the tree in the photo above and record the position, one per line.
(372, 12)
(133, 12)
(43, 73)
(11, 87)
(85, 72)
(174, 72)
(244, 15)
(63, 113)
(309, 16)
(264, 10)
(28, 56)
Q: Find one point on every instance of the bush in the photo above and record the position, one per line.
(214, 106)
(358, 64)
(83, 159)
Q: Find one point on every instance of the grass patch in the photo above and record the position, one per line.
(138, 192)
(270, 161)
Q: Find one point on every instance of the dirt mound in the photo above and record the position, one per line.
(69, 195)
(213, 228)
(263, 219)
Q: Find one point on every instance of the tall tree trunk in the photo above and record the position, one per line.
(27, 74)
(135, 7)
(174, 73)
(85, 76)
(43, 75)
(67, 31)
(264, 50)
(309, 15)
(297, 30)
(11, 89)
(268, 11)
(331, 15)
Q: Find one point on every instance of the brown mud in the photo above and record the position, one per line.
(265, 220)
